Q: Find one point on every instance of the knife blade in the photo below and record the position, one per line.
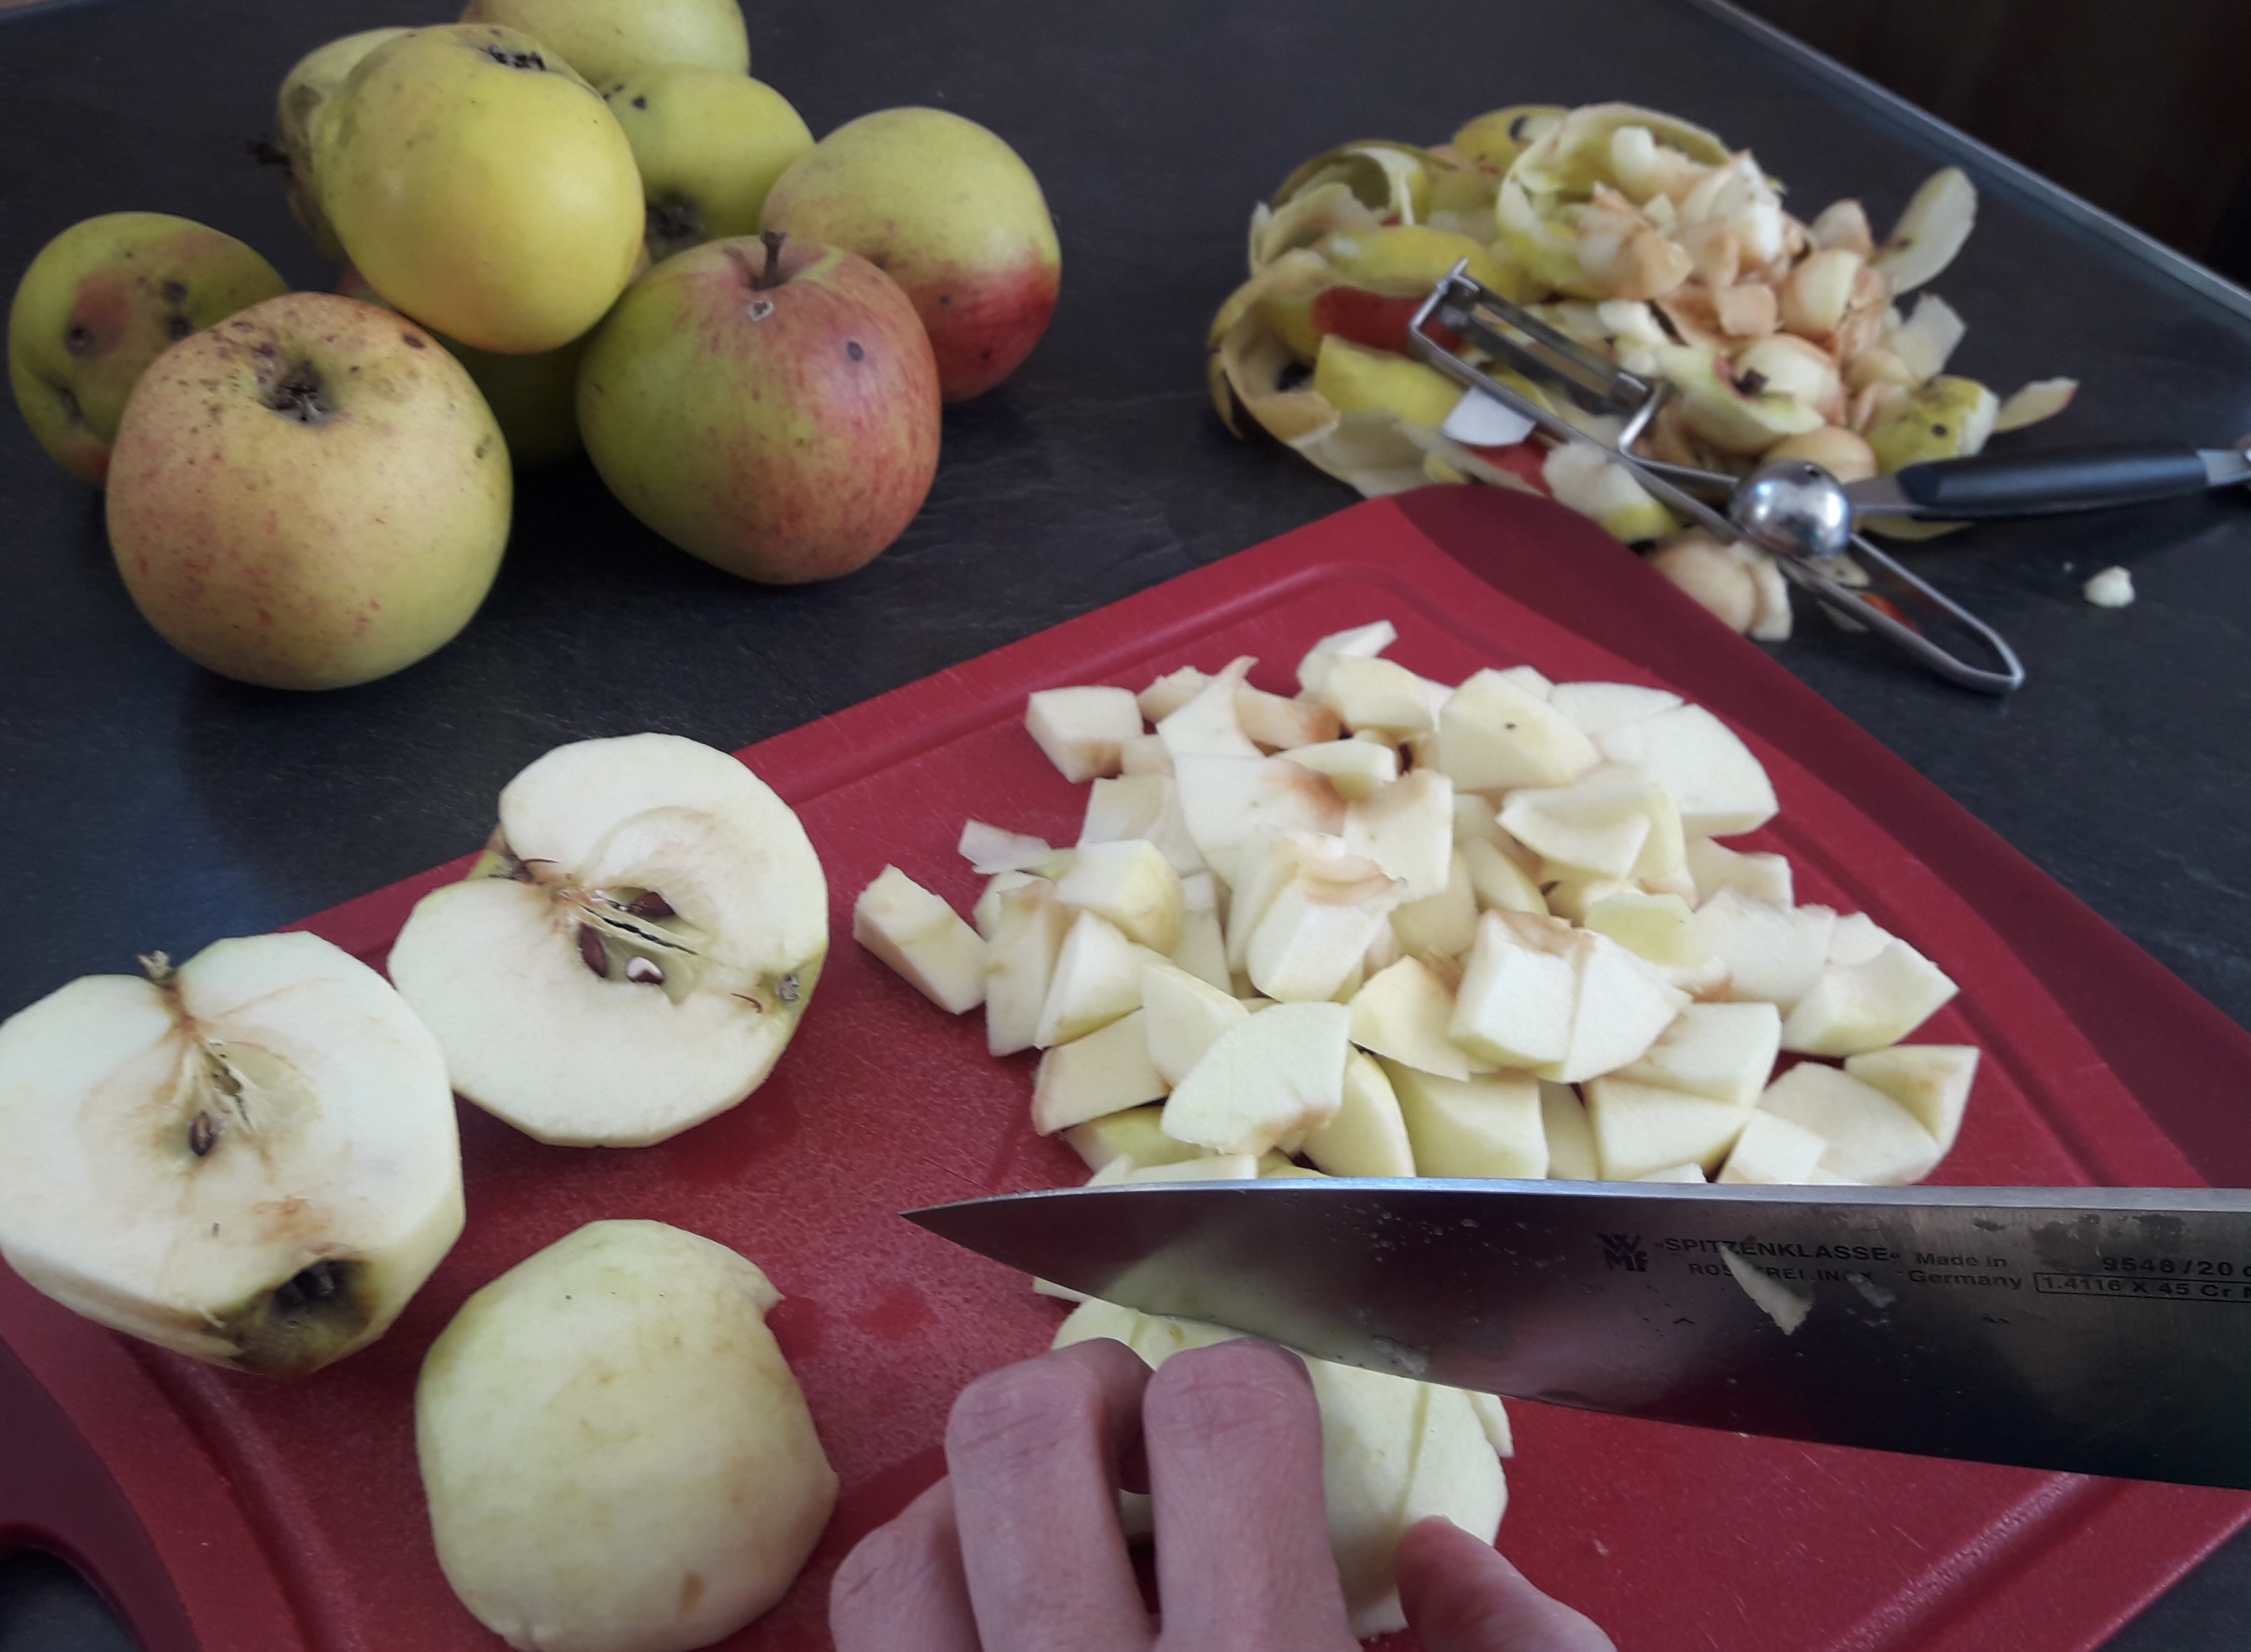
(2094, 1330)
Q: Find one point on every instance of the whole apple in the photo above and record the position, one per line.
(103, 300)
(951, 213)
(310, 495)
(771, 408)
(604, 39)
(485, 190)
(709, 145)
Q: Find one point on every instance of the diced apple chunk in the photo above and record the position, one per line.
(986, 912)
(1107, 1071)
(1170, 692)
(1227, 801)
(1676, 1173)
(1402, 1013)
(1570, 1138)
(1207, 725)
(1135, 1135)
(1495, 735)
(1615, 821)
(1855, 938)
(1145, 754)
(1379, 695)
(1098, 978)
(1355, 767)
(1444, 925)
(1774, 1151)
(1720, 788)
(1714, 867)
(1595, 708)
(1314, 934)
(1368, 1137)
(991, 850)
(923, 938)
(1280, 1072)
(1932, 1081)
(1498, 882)
(1514, 1007)
(1641, 1128)
(1184, 1018)
(1211, 1167)
(1773, 953)
(1871, 1138)
(1201, 950)
(1618, 1009)
(1081, 729)
(1407, 828)
(1489, 1126)
(1140, 805)
(1660, 930)
(1276, 725)
(1362, 642)
(1130, 884)
(1725, 1051)
(1029, 926)
(1854, 1008)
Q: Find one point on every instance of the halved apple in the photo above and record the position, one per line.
(633, 953)
(250, 1159)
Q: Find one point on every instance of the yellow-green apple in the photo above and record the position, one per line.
(605, 39)
(772, 409)
(485, 190)
(250, 1159)
(307, 86)
(635, 950)
(953, 215)
(534, 398)
(103, 299)
(617, 1456)
(311, 494)
(710, 145)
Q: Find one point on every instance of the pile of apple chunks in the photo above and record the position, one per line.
(1389, 928)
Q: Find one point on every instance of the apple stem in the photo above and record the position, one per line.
(770, 276)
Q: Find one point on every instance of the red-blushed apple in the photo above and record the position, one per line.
(103, 299)
(310, 495)
(771, 408)
(949, 212)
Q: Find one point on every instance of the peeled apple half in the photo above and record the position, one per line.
(250, 1159)
(634, 951)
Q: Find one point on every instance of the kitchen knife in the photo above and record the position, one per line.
(2095, 1330)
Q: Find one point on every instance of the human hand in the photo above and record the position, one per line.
(1019, 1547)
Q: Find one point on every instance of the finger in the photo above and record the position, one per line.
(1033, 1450)
(1461, 1595)
(1234, 1439)
(902, 1586)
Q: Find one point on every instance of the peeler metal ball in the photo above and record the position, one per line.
(1793, 508)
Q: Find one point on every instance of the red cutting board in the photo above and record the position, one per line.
(234, 1513)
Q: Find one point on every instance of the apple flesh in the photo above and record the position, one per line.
(602, 39)
(101, 302)
(617, 1455)
(710, 143)
(923, 939)
(633, 953)
(949, 212)
(771, 409)
(310, 495)
(250, 1159)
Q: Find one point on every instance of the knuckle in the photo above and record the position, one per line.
(887, 1560)
(1242, 1390)
(1023, 1412)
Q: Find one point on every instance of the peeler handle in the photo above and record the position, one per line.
(2037, 484)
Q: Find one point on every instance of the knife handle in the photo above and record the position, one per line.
(2062, 480)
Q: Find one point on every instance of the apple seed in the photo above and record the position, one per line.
(203, 1134)
(592, 953)
(643, 970)
(649, 904)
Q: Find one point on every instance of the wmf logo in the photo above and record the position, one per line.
(1619, 1251)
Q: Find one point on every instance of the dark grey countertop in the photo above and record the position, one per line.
(149, 804)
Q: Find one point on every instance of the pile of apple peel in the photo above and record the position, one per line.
(1385, 927)
(1645, 238)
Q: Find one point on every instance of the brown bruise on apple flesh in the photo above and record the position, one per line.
(225, 1100)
